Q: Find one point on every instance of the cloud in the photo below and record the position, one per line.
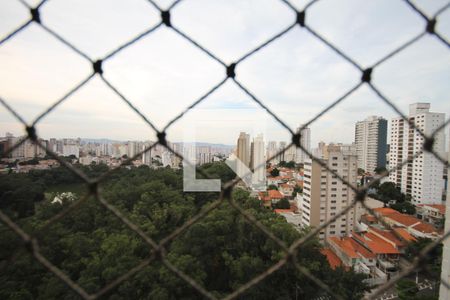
(296, 76)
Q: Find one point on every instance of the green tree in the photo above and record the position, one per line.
(291, 164)
(272, 187)
(283, 204)
(275, 172)
(297, 190)
(380, 170)
(405, 207)
(406, 289)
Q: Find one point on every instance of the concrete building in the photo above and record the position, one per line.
(370, 141)
(258, 161)
(305, 142)
(243, 148)
(422, 177)
(324, 195)
(444, 291)
(272, 151)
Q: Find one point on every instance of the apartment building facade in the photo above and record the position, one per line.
(370, 142)
(422, 176)
(325, 195)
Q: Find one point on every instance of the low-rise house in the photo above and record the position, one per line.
(413, 225)
(286, 189)
(291, 215)
(333, 260)
(431, 213)
(270, 197)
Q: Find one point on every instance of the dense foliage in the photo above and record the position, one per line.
(221, 252)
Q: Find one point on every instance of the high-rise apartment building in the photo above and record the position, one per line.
(272, 151)
(422, 177)
(243, 148)
(370, 141)
(258, 161)
(324, 195)
(305, 142)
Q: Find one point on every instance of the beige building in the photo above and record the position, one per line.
(324, 195)
(243, 148)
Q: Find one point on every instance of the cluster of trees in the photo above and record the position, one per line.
(221, 251)
(387, 191)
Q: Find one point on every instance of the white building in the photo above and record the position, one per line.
(258, 161)
(370, 140)
(71, 149)
(305, 142)
(324, 195)
(272, 151)
(421, 178)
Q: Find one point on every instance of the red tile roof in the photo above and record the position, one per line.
(424, 227)
(384, 211)
(279, 210)
(332, 258)
(274, 194)
(403, 219)
(351, 248)
(375, 244)
(404, 234)
(388, 235)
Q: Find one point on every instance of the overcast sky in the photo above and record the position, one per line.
(296, 76)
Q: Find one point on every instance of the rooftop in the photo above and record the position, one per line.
(351, 248)
(375, 244)
(332, 258)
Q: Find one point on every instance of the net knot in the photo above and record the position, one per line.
(165, 16)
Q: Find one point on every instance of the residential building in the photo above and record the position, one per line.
(258, 161)
(422, 176)
(413, 225)
(324, 195)
(370, 141)
(431, 213)
(272, 151)
(243, 148)
(305, 142)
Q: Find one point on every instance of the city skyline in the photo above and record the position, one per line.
(158, 69)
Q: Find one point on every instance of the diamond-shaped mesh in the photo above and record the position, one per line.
(158, 249)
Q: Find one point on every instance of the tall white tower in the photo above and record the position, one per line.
(422, 177)
(259, 161)
(305, 141)
(370, 141)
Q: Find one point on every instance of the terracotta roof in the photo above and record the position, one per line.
(285, 185)
(332, 258)
(351, 248)
(403, 219)
(375, 244)
(274, 194)
(385, 211)
(369, 218)
(279, 210)
(263, 196)
(404, 234)
(424, 227)
(389, 235)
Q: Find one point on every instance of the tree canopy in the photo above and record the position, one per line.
(221, 251)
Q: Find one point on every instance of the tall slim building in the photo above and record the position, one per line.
(258, 161)
(324, 195)
(271, 151)
(305, 141)
(243, 148)
(370, 140)
(422, 177)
